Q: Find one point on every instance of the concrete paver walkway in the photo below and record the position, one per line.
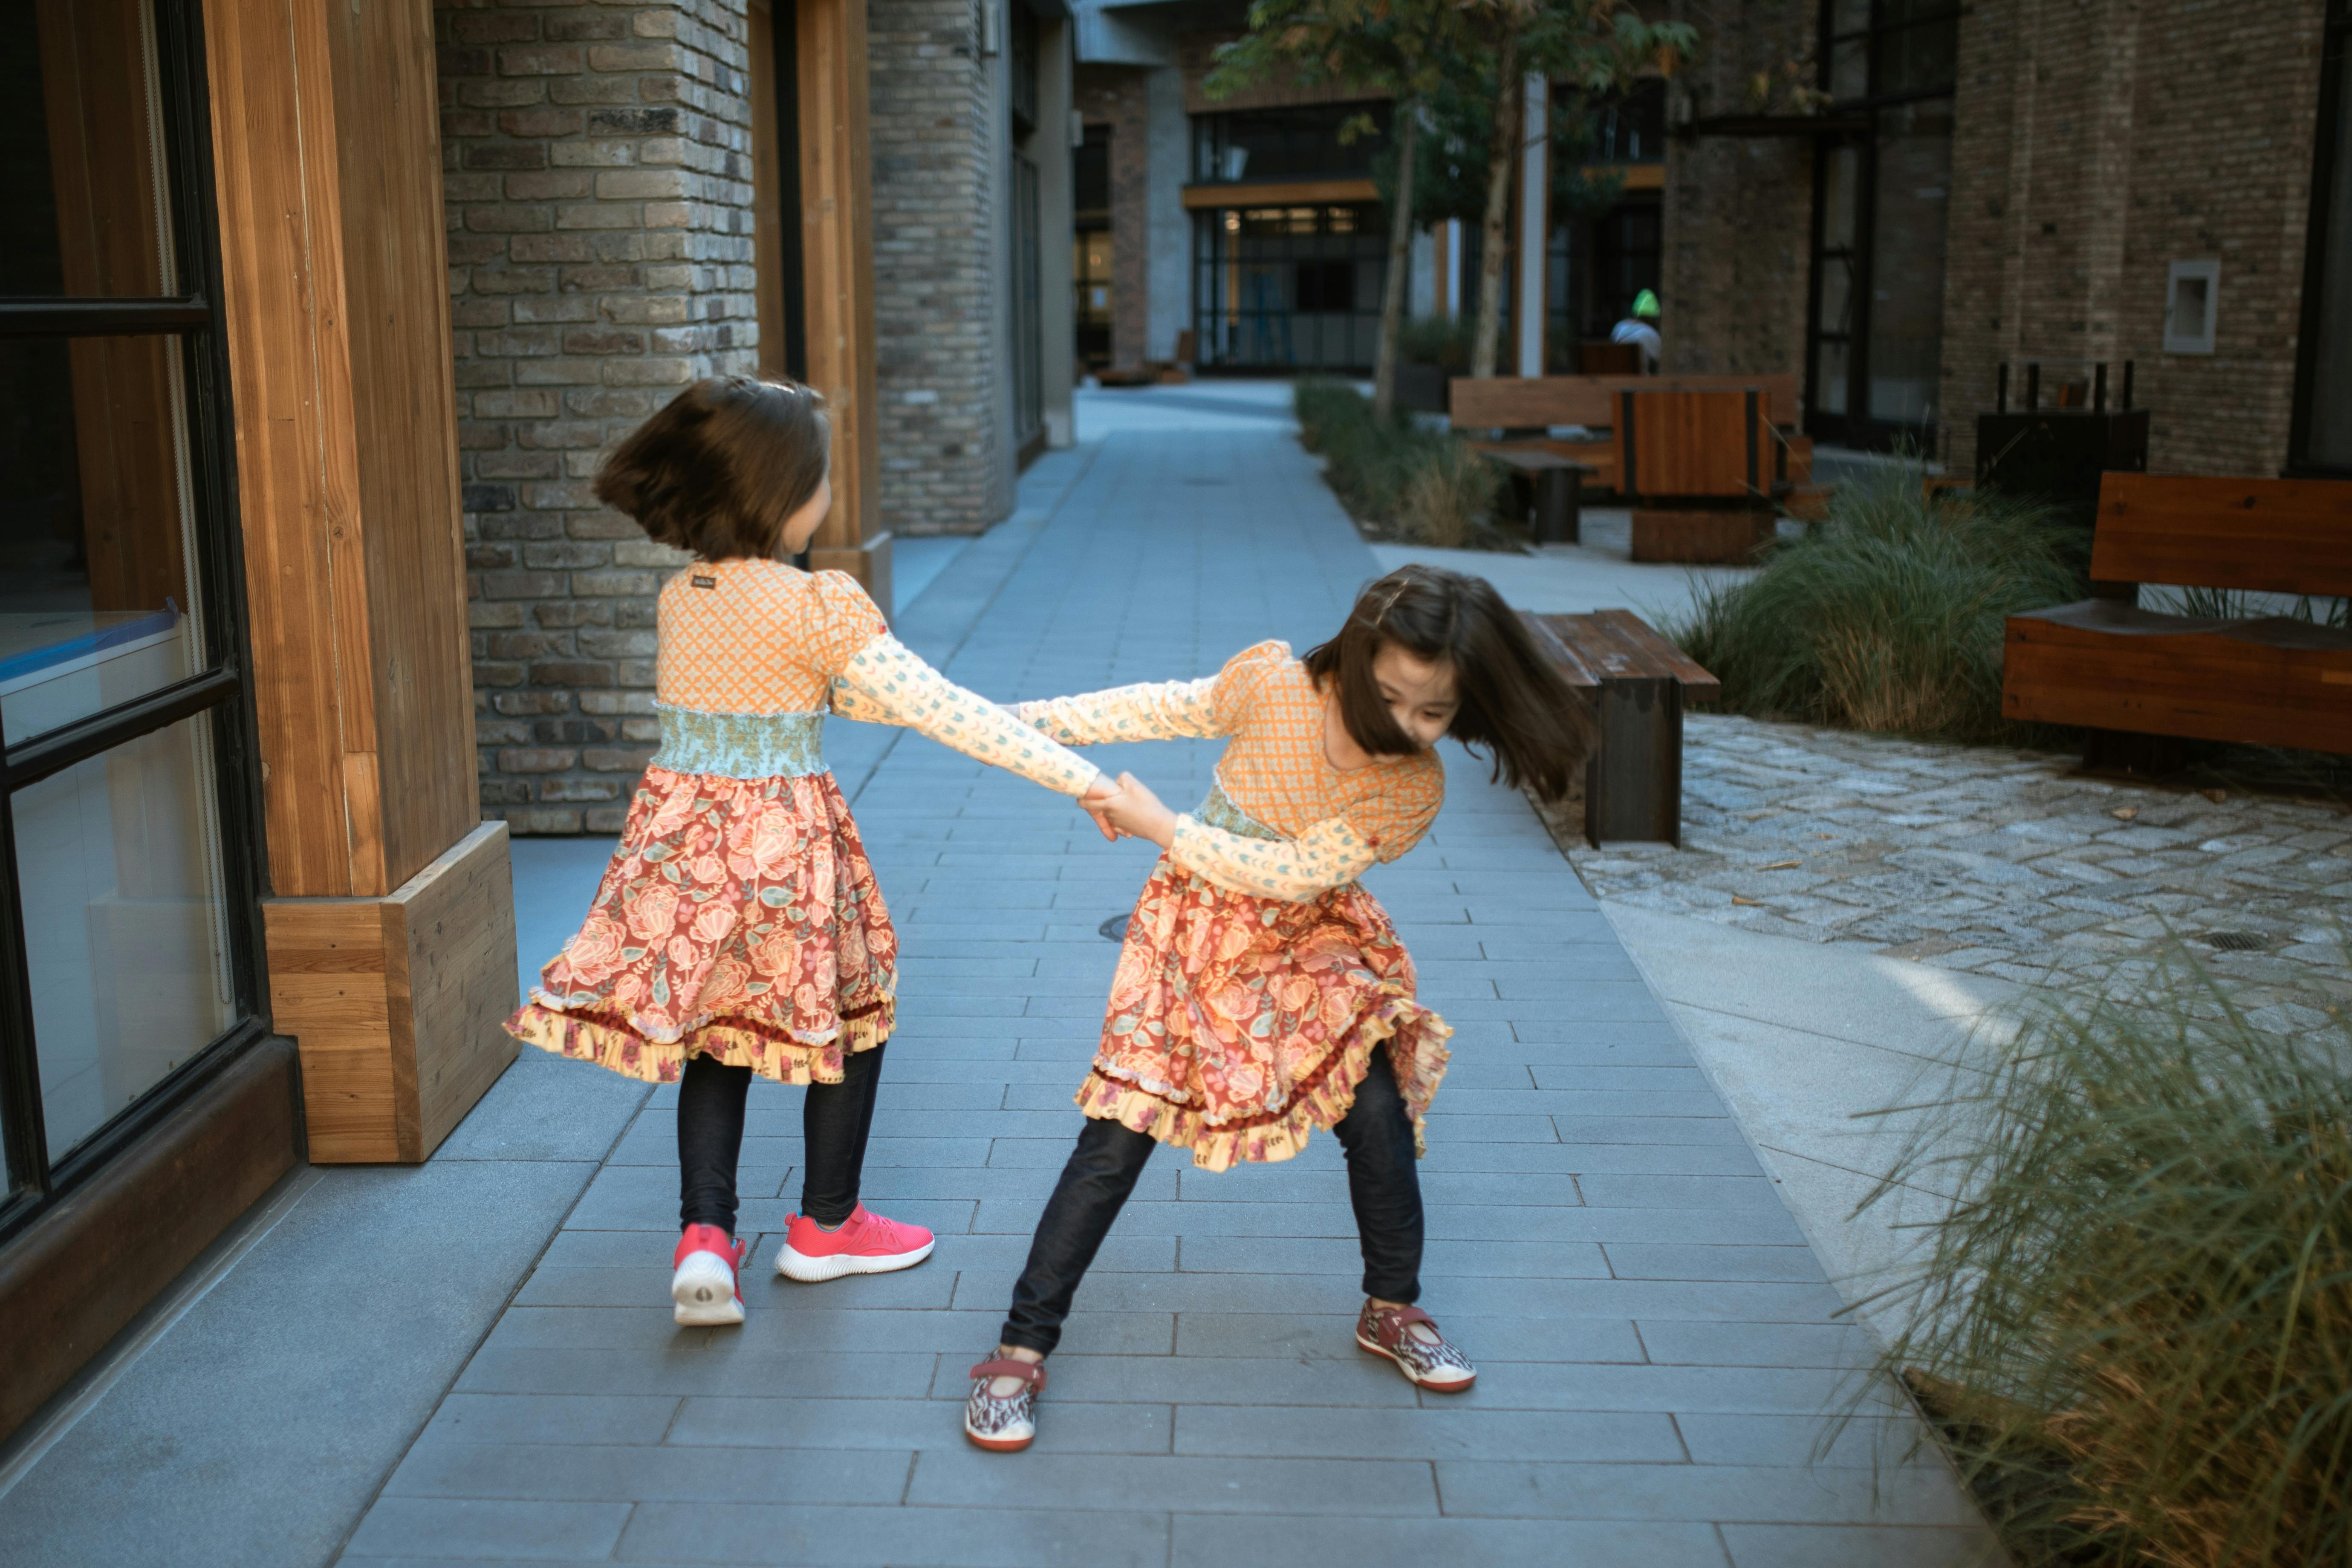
(1655, 1339)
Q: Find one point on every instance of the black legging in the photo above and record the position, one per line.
(835, 1119)
(1382, 1186)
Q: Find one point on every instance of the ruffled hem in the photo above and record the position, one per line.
(1318, 1101)
(782, 1054)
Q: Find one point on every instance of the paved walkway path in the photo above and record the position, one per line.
(1656, 1341)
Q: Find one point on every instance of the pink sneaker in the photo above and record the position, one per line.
(703, 1280)
(866, 1244)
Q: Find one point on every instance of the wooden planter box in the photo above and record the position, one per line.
(1700, 538)
(397, 1003)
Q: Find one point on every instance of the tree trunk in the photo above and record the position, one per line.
(1502, 167)
(1384, 363)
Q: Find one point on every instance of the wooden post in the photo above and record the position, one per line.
(838, 269)
(327, 146)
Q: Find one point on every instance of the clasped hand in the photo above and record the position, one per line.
(1128, 809)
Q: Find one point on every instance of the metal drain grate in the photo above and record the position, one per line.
(2236, 941)
(1115, 928)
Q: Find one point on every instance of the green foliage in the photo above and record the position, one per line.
(2136, 1327)
(1887, 617)
(1432, 487)
(1440, 341)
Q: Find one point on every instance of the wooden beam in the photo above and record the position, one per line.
(1636, 176)
(335, 290)
(335, 283)
(837, 272)
(1281, 194)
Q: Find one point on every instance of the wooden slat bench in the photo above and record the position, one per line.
(1522, 407)
(1548, 486)
(1637, 682)
(2124, 672)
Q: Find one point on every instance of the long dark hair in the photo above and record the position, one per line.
(721, 466)
(1515, 706)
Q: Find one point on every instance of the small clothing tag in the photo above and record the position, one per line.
(702, 582)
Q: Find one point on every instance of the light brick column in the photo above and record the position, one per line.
(599, 204)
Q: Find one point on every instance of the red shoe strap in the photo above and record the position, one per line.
(1029, 1371)
(1398, 1318)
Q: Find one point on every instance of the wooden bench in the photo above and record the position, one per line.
(1521, 408)
(1704, 470)
(2125, 673)
(1547, 486)
(1637, 682)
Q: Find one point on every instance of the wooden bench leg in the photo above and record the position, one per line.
(1633, 783)
(2142, 756)
(1556, 506)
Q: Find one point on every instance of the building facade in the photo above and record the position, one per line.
(2022, 182)
(630, 190)
(316, 321)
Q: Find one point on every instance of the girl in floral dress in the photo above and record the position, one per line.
(739, 930)
(1262, 992)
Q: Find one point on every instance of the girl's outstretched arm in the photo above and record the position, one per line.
(1329, 854)
(1155, 711)
(885, 683)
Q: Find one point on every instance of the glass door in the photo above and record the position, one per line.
(128, 894)
(1874, 360)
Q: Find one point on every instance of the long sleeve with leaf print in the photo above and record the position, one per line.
(1329, 854)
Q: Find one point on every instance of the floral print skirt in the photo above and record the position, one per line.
(739, 920)
(1239, 1025)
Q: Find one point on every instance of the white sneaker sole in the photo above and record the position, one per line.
(810, 1270)
(704, 1289)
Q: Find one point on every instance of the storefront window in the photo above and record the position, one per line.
(127, 874)
(1290, 287)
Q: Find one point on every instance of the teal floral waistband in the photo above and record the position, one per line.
(740, 745)
(1216, 811)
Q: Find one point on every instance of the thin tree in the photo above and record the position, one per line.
(1396, 47)
(1591, 43)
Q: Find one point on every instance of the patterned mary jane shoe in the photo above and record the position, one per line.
(1003, 1425)
(1430, 1363)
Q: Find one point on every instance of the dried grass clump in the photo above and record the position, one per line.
(1448, 491)
(2136, 1327)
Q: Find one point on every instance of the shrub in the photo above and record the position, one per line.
(1448, 491)
(2136, 1326)
(1440, 341)
(1320, 405)
(1887, 615)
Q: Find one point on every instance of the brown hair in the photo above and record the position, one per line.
(1516, 704)
(721, 466)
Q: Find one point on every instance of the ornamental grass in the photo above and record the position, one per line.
(2135, 1328)
(1422, 484)
(1887, 615)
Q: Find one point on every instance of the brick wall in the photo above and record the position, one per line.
(1117, 96)
(2097, 140)
(1738, 219)
(938, 380)
(599, 208)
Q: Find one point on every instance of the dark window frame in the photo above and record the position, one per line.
(222, 695)
(2336, 43)
(1855, 426)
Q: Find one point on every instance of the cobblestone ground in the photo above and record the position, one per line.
(1998, 862)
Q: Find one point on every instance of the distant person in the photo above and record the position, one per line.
(1641, 326)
